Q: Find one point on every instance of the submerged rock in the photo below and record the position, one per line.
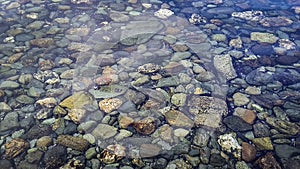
(230, 145)
(263, 37)
(15, 147)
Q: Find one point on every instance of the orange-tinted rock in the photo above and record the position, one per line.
(247, 115)
(125, 121)
(109, 105)
(145, 126)
(248, 152)
(15, 147)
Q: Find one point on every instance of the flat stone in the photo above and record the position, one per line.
(77, 100)
(263, 37)
(223, 63)
(263, 143)
(24, 99)
(104, 131)
(240, 99)
(109, 105)
(76, 143)
(38, 131)
(44, 142)
(178, 119)
(149, 150)
(236, 123)
(79, 47)
(42, 42)
(248, 152)
(125, 121)
(168, 82)
(252, 90)
(9, 85)
(108, 91)
(77, 115)
(178, 56)
(208, 111)
(138, 32)
(9, 122)
(247, 115)
(285, 151)
(118, 17)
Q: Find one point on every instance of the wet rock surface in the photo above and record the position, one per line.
(149, 84)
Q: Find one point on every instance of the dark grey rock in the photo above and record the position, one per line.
(55, 157)
(70, 128)
(201, 137)
(38, 131)
(217, 160)
(6, 164)
(34, 157)
(236, 123)
(24, 37)
(257, 77)
(26, 165)
(9, 122)
(160, 163)
(261, 130)
(286, 151)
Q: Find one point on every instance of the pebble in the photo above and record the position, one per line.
(236, 123)
(104, 131)
(4, 107)
(230, 145)
(247, 115)
(44, 142)
(77, 100)
(178, 99)
(263, 37)
(9, 122)
(248, 152)
(125, 121)
(240, 99)
(109, 105)
(178, 119)
(252, 90)
(55, 156)
(149, 150)
(145, 126)
(267, 161)
(9, 85)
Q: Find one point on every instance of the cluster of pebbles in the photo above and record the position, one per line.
(149, 84)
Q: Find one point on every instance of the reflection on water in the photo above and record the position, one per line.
(149, 84)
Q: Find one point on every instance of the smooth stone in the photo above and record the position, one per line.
(9, 122)
(108, 91)
(219, 37)
(236, 123)
(24, 99)
(178, 99)
(90, 138)
(4, 107)
(138, 32)
(178, 56)
(180, 132)
(240, 99)
(241, 165)
(247, 115)
(35, 92)
(24, 37)
(149, 150)
(178, 119)
(77, 100)
(118, 17)
(25, 78)
(168, 82)
(285, 151)
(90, 153)
(252, 90)
(104, 131)
(9, 85)
(248, 152)
(44, 142)
(260, 49)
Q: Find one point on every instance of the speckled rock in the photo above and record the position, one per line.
(42, 42)
(109, 105)
(75, 143)
(55, 157)
(263, 143)
(223, 63)
(15, 147)
(230, 145)
(263, 37)
(240, 99)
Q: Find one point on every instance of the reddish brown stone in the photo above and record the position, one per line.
(248, 152)
(145, 126)
(267, 162)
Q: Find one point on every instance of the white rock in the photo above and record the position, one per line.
(163, 13)
(230, 145)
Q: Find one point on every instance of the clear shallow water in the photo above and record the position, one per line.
(149, 84)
